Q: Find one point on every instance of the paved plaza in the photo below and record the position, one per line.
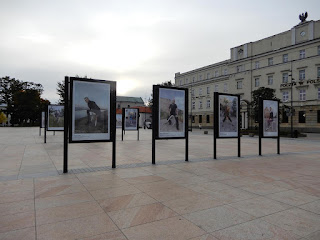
(253, 197)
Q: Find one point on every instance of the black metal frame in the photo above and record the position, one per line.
(216, 129)
(68, 118)
(47, 120)
(155, 121)
(112, 109)
(261, 132)
(124, 129)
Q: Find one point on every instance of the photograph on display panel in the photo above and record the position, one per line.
(228, 115)
(131, 119)
(43, 120)
(55, 118)
(119, 120)
(270, 118)
(90, 110)
(171, 113)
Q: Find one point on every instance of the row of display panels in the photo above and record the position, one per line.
(91, 101)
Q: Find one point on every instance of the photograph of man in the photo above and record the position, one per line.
(56, 117)
(93, 113)
(228, 115)
(270, 117)
(131, 119)
(90, 109)
(171, 112)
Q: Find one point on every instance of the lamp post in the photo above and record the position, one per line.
(191, 107)
(291, 109)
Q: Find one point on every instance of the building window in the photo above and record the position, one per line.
(225, 87)
(270, 80)
(208, 103)
(302, 95)
(200, 77)
(318, 116)
(225, 72)
(239, 68)
(208, 90)
(128, 106)
(257, 64)
(239, 85)
(302, 54)
(285, 96)
(216, 73)
(302, 116)
(200, 104)
(216, 88)
(180, 82)
(192, 92)
(318, 75)
(193, 119)
(200, 91)
(318, 50)
(193, 79)
(208, 75)
(256, 82)
(193, 105)
(285, 77)
(302, 74)
(200, 118)
(318, 93)
(208, 118)
(118, 106)
(187, 81)
(270, 61)
(285, 58)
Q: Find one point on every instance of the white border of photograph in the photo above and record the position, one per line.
(90, 136)
(60, 107)
(274, 105)
(125, 118)
(180, 134)
(228, 134)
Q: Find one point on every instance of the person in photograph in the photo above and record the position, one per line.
(270, 118)
(226, 113)
(93, 112)
(173, 110)
(267, 117)
(57, 116)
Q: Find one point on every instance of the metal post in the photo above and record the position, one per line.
(66, 127)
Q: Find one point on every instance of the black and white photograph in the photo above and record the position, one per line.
(43, 120)
(171, 113)
(228, 116)
(119, 120)
(90, 110)
(270, 118)
(131, 119)
(55, 118)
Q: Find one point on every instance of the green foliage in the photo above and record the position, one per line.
(22, 99)
(3, 118)
(262, 92)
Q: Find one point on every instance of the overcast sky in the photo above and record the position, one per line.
(136, 43)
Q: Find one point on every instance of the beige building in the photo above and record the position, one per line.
(288, 62)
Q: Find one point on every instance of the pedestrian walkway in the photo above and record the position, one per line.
(268, 197)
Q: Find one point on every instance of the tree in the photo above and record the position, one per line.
(3, 118)
(15, 93)
(262, 92)
(61, 92)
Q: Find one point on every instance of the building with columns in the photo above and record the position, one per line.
(288, 62)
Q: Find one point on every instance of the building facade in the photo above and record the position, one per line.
(288, 62)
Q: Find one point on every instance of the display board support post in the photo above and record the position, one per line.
(122, 134)
(138, 132)
(239, 146)
(215, 124)
(66, 126)
(54, 133)
(45, 134)
(153, 150)
(239, 133)
(278, 145)
(40, 131)
(260, 152)
(114, 154)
